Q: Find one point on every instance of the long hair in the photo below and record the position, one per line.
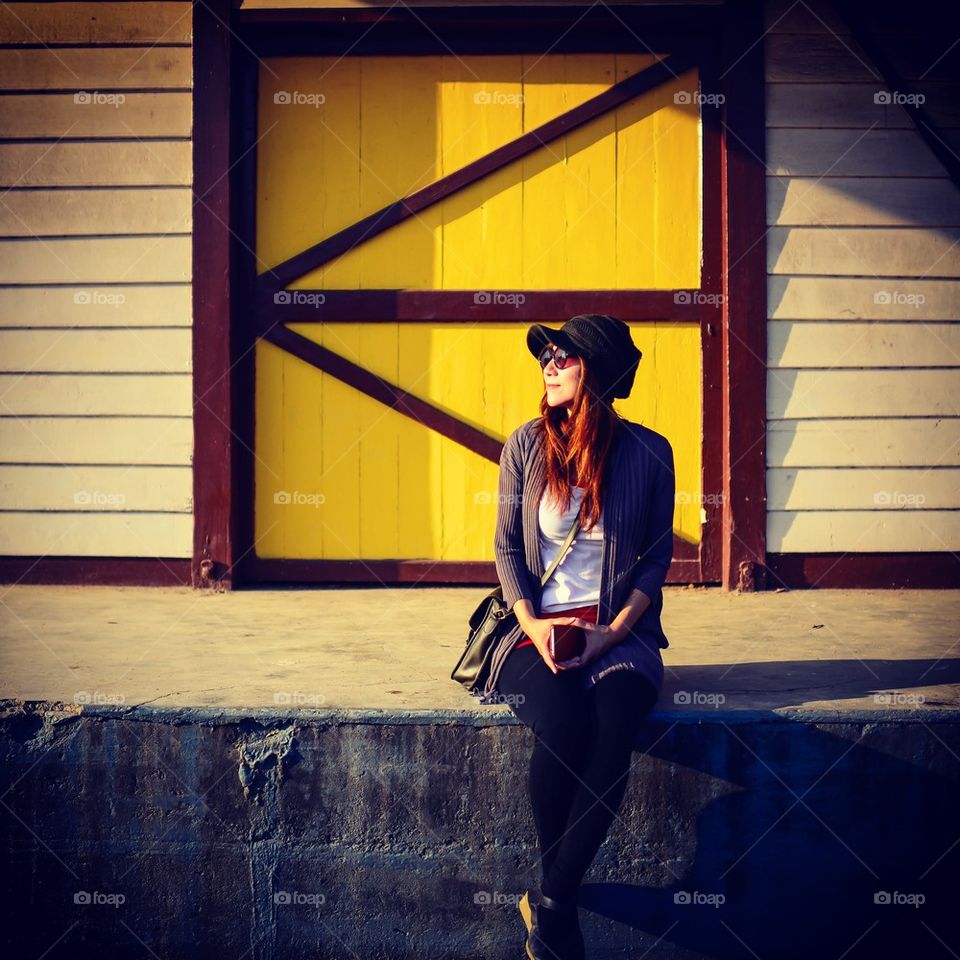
(576, 447)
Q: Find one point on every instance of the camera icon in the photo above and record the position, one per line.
(282, 496)
(682, 96)
(482, 296)
(282, 96)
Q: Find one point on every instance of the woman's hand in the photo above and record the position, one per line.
(538, 630)
(599, 639)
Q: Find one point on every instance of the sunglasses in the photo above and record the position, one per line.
(559, 356)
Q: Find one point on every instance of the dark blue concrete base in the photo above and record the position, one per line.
(199, 833)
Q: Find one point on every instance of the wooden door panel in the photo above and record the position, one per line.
(339, 475)
(614, 204)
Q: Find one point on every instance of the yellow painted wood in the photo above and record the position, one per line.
(165, 441)
(341, 476)
(614, 204)
(666, 398)
(96, 164)
(95, 114)
(85, 68)
(96, 305)
(90, 23)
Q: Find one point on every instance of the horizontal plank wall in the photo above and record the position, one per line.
(96, 433)
(863, 261)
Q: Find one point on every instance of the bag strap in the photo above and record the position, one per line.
(563, 550)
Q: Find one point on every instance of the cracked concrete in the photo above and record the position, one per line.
(268, 774)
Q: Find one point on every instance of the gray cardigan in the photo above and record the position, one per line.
(637, 543)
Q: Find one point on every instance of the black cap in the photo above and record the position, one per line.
(606, 344)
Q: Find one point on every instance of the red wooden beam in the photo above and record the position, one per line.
(744, 340)
(213, 440)
(387, 393)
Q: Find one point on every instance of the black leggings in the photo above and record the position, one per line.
(581, 757)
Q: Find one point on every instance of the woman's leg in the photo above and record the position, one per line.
(555, 707)
(620, 701)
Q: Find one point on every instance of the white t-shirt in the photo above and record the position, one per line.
(576, 581)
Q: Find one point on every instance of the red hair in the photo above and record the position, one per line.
(576, 447)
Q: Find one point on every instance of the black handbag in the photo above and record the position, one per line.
(489, 623)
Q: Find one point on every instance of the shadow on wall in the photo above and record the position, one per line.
(830, 839)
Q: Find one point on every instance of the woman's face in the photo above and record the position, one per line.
(561, 385)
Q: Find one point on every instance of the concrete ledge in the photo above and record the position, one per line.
(207, 815)
(357, 833)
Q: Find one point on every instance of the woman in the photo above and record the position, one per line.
(581, 457)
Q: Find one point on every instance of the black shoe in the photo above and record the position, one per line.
(553, 928)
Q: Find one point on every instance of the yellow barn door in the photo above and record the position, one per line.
(390, 359)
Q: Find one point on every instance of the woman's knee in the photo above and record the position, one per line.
(554, 707)
(564, 724)
(621, 702)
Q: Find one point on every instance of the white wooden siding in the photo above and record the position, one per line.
(96, 433)
(863, 261)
